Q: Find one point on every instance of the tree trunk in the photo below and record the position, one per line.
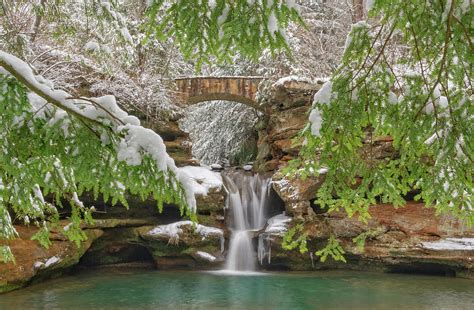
(357, 10)
(39, 16)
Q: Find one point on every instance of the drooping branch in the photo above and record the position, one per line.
(39, 89)
(23, 73)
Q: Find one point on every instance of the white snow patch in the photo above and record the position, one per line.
(216, 166)
(278, 224)
(447, 8)
(392, 98)
(360, 24)
(323, 96)
(455, 244)
(173, 230)
(49, 262)
(38, 193)
(92, 46)
(223, 17)
(292, 78)
(323, 170)
(291, 4)
(247, 167)
(206, 256)
(369, 4)
(212, 4)
(272, 24)
(202, 179)
(38, 105)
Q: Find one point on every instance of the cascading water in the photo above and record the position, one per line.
(247, 203)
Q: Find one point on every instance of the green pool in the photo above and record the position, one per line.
(146, 289)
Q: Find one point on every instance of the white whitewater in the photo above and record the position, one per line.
(247, 203)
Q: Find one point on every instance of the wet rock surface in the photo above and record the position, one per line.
(35, 263)
(297, 193)
(183, 244)
(398, 240)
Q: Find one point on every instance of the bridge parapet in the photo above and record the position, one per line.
(241, 89)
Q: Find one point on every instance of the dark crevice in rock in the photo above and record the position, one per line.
(316, 207)
(204, 212)
(116, 254)
(277, 205)
(423, 269)
(118, 245)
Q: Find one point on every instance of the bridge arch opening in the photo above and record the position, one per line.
(222, 131)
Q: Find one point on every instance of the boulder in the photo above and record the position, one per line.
(34, 262)
(290, 92)
(297, 193)
(214, 201)
(177, 245)
(287, 124)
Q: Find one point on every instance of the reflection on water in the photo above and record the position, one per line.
(108, 289)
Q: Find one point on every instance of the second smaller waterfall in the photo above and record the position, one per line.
(247, 204)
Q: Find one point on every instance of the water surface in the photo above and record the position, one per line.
(148, 289)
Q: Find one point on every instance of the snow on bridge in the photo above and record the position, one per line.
(242, 89)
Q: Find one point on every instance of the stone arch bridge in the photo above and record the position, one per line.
(242, 89)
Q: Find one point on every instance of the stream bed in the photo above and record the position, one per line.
(150, 289)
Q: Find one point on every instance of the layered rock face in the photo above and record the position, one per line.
(34, 262)
(140, 235)
(412, 238)
(165, 240)
(287, 105)
(407, 239)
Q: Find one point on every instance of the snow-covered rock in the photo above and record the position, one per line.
(191, 233)
(278, 224)
(322, 97)
(47, 263)
(183, 243)
(453, 244)
(292, 78)
(203, 179)
(247, 167)
(205, 256)
(216, 167)
(296, 192)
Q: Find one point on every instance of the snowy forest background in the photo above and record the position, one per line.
(90, 48)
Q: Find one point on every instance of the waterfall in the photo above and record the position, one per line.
(247, 203)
